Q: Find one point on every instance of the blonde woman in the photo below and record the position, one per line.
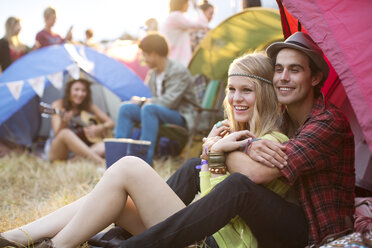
(250, 104)
(11, 47)
(132, 195)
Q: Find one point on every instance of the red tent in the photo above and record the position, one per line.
(343, 30)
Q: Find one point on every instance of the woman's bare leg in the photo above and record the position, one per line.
(66, 141)
(47, 226)
(130, 176)
(99, 149)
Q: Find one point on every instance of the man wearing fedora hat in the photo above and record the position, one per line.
(318, 162)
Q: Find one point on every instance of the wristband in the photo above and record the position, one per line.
(202, 163)
(248, 146)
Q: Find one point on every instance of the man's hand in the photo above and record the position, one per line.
(269, 153)
(138, 100)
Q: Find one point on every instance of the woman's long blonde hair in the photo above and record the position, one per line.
(13, 39)
(266, 113)
(10, 23)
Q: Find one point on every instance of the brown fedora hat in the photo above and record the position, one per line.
(302, 42)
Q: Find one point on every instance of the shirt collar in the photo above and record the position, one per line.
(318, 107)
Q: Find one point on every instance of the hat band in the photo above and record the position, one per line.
(250, 76)
(298, 44)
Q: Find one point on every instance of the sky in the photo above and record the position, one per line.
(109, 19)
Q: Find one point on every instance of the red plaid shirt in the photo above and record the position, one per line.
(321, 168)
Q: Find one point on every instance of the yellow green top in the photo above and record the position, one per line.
(236, 234)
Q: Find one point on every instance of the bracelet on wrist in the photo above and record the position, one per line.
(248, 145)
(203, 162)
(218, 170)
(216, 159)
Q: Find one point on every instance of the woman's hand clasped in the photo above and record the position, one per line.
(232, 142)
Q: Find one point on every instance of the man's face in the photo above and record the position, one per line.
(293, 82)
(150, 59)
(51, 20)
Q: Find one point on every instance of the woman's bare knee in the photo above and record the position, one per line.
(65, 134)
(127, 168)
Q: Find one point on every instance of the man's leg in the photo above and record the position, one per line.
(185, 181)
(128, 114)
(152, 116)
(274, 221)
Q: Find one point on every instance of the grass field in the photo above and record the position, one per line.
(31, 188)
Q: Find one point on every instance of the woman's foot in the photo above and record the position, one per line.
(7, 243)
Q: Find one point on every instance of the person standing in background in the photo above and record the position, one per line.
(47, 37)
(90, 42)
(176, 29)
(11, 47)
(207, 10)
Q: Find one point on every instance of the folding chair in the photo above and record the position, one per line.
(211, 102)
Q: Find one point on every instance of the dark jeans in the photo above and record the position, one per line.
(273, 221)
(185, 181)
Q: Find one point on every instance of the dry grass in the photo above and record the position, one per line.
(31, 188)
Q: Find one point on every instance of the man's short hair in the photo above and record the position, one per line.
(49, 11)
(154, 42)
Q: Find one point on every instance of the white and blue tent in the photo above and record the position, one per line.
(41, 75)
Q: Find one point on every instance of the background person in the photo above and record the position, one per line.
(90, 42)
(11, 47)
(171, 86)
(207, 14)
(151, 25)
(47, 37)
(176, 28)
(68, 135)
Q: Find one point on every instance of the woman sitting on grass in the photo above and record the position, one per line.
(69, 133)
(132, 195)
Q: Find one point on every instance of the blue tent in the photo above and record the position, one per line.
(22, 83)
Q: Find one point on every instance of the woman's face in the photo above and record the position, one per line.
(209, 13)
(78, 93)
(17, 28)
(241, 97)
(185, 6)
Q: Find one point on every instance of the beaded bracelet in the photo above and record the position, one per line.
(218, 170)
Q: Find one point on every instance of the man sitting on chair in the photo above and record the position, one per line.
(170, 85)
